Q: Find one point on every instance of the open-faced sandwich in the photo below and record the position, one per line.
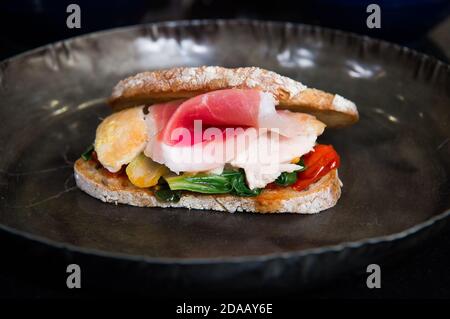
(214, 138)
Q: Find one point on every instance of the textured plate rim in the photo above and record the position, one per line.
(395, 237)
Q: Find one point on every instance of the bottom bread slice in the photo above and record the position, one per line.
(97, 182)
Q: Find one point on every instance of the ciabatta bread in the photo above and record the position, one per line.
(186, 82)
(97, 182)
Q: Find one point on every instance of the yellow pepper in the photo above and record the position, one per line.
(144, 172)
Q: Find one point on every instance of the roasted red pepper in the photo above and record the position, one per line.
(321, 160)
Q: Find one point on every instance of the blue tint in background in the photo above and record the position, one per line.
(41, 21)
(402, 20)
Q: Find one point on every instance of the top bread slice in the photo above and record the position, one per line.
(185, 82)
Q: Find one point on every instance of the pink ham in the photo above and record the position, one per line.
(231, 108)
(224, 108)
(161, 113)
(227, 108)
(156, 119)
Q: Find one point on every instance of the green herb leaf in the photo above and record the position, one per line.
(200, 183)
(168, 195)
(230, 181)
(240, 188)
(287, 179)
(87, 154)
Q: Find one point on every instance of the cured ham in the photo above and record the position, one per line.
(233, 127)
(156, 119)
(225, 109)
(227, 135)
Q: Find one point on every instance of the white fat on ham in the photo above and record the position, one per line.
(209, 156)
(270, 156)
(271, 153)
(262, 153)
(271, 119)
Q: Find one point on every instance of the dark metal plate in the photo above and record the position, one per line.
(395, 161)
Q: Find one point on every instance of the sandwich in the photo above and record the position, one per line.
(214, 138)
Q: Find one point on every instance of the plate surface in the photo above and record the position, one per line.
(395, 161)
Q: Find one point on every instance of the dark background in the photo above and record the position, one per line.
(422, 25)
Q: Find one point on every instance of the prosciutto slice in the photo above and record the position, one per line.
(228, 108)
(227, 127)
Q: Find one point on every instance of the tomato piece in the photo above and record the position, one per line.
(321, 160)
(272, 186)
(94, 157)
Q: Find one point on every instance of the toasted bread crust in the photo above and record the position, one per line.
(117, 189)
(186, 82)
